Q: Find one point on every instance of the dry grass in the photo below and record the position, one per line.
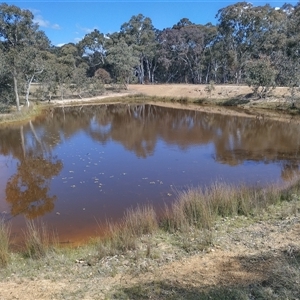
(4, 243)
(25, 114)
(38, 240)
(201, 207)
(123, 236)
(191, 216)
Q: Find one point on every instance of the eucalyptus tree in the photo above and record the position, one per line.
(139, 33)
(123, 60)
(65, 63)
(19, 36)
(47, 80)
(248, 32)
(290, 67)
(234, 26)
(6, 83)
(32, 62)
(183, 50)
(260, 75)
(93, 48)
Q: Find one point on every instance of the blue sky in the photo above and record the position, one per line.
(69, 21)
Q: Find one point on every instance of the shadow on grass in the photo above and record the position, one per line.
(164, 290)
(275, 277)
(234, 102)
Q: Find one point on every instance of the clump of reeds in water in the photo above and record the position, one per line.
(4, 243)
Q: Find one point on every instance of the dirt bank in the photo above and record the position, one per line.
(200, 91)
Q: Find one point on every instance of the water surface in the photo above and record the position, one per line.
(76, 167)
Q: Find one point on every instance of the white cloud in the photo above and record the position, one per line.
(76, 40)
(81, 32)
(56, 26)
(38, 18)
(85, 29)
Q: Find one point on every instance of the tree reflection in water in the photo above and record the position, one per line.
(138, 127)
(27, 190)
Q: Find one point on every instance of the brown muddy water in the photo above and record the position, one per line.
(76, 167)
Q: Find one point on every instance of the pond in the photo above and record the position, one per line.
(76, 167)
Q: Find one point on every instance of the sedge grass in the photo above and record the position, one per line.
(123, 236)
(201, 207)
(38, 240)
(4, 243)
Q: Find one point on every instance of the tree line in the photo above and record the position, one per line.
(254, 45)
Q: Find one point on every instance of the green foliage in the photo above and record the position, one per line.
(122, 58)
(21, 44)
(260, 75)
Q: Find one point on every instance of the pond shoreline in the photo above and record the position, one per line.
(238, 256)
(224, 98)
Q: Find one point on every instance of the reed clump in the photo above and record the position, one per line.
(38, 240)
(201, 207)
(4, 243)
(123, 236)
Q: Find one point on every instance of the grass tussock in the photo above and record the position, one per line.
(38, 240)
(201, 207)
(4, 243)
(123, 236)
(191, 216)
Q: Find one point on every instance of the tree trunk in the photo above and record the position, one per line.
(141, 71)
(16, 89)
(28, 90)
